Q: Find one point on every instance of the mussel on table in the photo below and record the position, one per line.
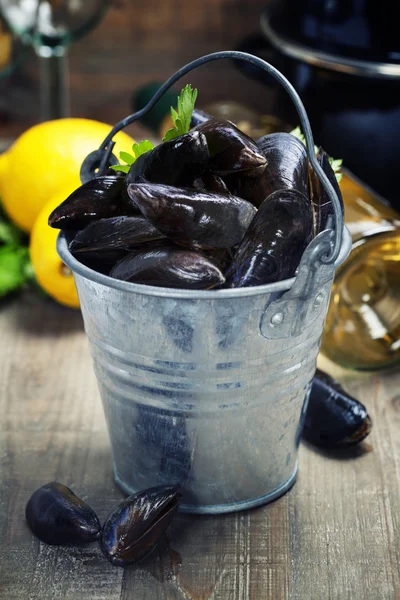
(231, 150)
(174, 162)
(115, 233)
(322, 204)
(99, 198)
(57, 516)
(167, 265)
(275, 241)
(333, 417)
(134, 528)
(192, 218)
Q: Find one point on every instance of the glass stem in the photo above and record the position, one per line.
(54, 89)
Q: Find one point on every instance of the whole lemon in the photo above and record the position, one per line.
(51, 273)
(47, 158)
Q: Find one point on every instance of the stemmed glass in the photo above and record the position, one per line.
(49, 26)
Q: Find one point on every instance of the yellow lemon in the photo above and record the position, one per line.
(52, 274)
(47, 158)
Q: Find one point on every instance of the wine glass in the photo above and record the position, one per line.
(49, 26)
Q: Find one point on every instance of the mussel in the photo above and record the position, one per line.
(195, 219)
(167, 265)
(199, 117)
(134, 528)
(172, 163)
(287, 162)
(97, 199)
(115, 233)
(333, 417)
(57, 516)
(211, 182)
(275, 241)
(230, 149)
(287, 168)
(322, 204)
(101, 261)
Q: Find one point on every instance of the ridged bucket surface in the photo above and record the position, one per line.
(193, 390)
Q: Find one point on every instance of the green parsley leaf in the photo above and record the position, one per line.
(335, 164)
(9, 234)
(129, 159)
(181, 117)
(121, 168)
(14, 271)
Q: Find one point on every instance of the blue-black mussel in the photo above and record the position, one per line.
(231, 150)
(164, 264)
(134, 528)
(333, 417)
(115, 233)
(275, 241)
(193, 218)
(57, 516)
(287, 168)
(97, 199)
(172, 163)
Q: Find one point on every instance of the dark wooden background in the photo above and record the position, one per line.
(138, 42)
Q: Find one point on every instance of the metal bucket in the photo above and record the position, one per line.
(208, 389)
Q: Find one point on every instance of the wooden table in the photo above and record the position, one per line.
(335, 535)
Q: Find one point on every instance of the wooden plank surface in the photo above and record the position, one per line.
(335, 535)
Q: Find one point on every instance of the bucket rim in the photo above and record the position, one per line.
(163, 292)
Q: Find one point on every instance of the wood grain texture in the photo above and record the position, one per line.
(334, 536)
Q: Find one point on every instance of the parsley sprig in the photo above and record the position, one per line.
(129, 159)
(181, 118)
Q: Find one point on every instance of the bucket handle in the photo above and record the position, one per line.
(96, 163)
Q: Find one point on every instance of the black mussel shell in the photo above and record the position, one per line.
(101, 261)
(97, 199)
(287, 168)
(252, 189)
(322, 204)
(275, 241)
(230, 149)
(134, 528)
(172, 162)
(333, 417)
(193, 218)
(57, 516)
(115, 233)
(211, 182)
(199, 117)
(166, 265)
(287, 162)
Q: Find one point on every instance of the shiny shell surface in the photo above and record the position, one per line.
(57, 516)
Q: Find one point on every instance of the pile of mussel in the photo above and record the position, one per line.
(129, 534)
(209, 209)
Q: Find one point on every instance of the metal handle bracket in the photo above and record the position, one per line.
(293, 312)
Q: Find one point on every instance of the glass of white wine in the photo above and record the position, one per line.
(49, 26)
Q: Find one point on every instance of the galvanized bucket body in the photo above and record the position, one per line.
(205, 389)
